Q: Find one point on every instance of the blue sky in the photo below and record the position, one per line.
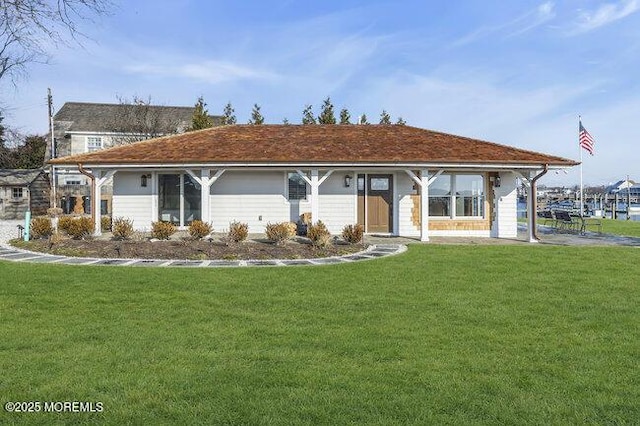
(517, 73)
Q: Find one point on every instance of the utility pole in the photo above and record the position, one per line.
(54, 181)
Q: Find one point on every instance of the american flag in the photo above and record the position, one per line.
(586, 141)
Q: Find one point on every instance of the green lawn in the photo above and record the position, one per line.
(440, 335)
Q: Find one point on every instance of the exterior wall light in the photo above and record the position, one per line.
(144, 180)
(347, 181)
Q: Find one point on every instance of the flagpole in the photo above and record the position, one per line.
(581, 182)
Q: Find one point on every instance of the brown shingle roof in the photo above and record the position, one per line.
(263, 144)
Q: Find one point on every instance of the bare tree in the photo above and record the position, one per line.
(139, 120)
(27, 26)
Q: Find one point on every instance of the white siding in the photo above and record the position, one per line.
(132, 201)
(404, 187)
(337, 203)
(255, 198)
(505, 224)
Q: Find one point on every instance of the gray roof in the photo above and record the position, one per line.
(18, 177)
(97, 117)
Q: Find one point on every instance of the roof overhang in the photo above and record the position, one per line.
(300, 165)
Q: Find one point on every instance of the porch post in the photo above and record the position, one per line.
(97, 223)
(98, 181)
(314, 196)
(205, 186)
(424, 205)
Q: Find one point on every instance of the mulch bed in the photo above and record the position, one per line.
(190, 249)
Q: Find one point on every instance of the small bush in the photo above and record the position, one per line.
(353, 233)
(41, 227)
(122, 228)
(306, 218)
(238, 232)
(199, 229)
(279, 233)
(54, 212)
(64, 222)
(105, 223)
(319, 235)
(80, 228)
(162, 230)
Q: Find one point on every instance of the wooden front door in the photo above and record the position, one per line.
(379, 203)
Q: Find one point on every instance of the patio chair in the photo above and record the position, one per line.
(565, 221)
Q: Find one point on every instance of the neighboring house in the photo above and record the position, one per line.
(394, 180)
(22, 190)
(82, 127)
(619, 186)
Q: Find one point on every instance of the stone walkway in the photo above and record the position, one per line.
(379, 246)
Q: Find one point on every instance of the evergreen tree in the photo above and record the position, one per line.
(307, 115)
(200, 119)
(326, 115)
(345, 117)
(401, 122)
(363, 119)
(385, 118)
(256, 116)
(228, 115)
(285, 121)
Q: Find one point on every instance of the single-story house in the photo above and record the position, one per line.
(393, 179)
(22, 190)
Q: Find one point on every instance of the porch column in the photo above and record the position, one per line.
(315, 205)
(205, 180)
(99, 180)
(314, 182)
(205, 187)
(423, 182)
(424, 205)
(531, 206)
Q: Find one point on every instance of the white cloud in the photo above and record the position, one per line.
(519, 25)
(604, 15)
(212, 72)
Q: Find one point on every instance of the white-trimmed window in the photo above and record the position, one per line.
(16, 193)
(457, 196)
(94, 143)
(72, 182)
(296, 187)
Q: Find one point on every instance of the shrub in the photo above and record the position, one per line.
(319, 235)
(238, 232)
(279, 233)
(80, 228)
(41, 227)
(64, 222)
(306, 218)
(353, 233)
(199, 229)
(162, 230)
(105, 223)
(122, 228)
(54, 212)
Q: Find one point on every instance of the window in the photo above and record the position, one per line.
(455, 196)
(440, 196)
(72, 182)
(297, 187)
(94, 143)
(469, 195)
(16, 192)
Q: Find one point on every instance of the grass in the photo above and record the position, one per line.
(439, 335)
